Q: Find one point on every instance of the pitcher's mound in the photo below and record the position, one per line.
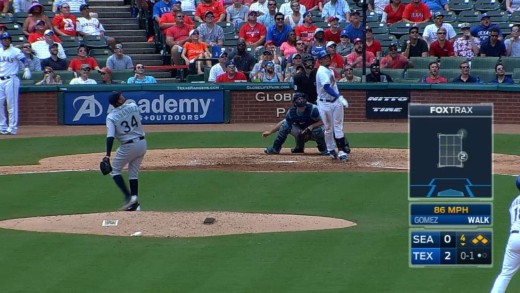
(174, 224)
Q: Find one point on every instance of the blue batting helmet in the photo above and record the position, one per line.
(322, 53)
(518, 182)
(5, 35)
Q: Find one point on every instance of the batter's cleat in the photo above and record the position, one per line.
(347, 150)
(342, 156)
(333, 154)
(324, 153)
(271, 151)
(129, 203)
(4, 132)
(297, 151)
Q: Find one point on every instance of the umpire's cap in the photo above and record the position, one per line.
(517, 182)
(114, 97)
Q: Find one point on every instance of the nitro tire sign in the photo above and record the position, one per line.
(387, 104)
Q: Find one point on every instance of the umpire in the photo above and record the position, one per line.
(305, 79)
(303, 121)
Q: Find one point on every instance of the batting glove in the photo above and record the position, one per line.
(27, 73)
(343, 101)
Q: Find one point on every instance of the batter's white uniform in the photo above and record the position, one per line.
(512, 254)
(331, 109)
(9, 87)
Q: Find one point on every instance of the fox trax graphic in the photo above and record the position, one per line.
(155, 107)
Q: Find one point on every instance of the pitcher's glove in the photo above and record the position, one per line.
(305, 134)
(104, 166)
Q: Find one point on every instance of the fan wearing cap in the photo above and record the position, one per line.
(279, 32)
(236, 13)
(53, 61)
(318, 41)
(253, 32)
(416, 12)
(333, 32)
(39, 33)
(483, 30)
(307, 30)
(344, 47)
(287, 8)
(82, 58)
(356, 57)
(372, 44)
(442, 47)
(89, 26)
(493, 47)
(209, 5)
(12, 61)
(393, 12)
(336, 60)
(467, 45)
(376, 75)
(269, 74)
(194, 49)
(41, 47)
(83, 76)
(231, 74)
(106, 76)
(414, 46)
(73, 4)
(330, 105)
(64, 23)
(293, 67)
(267, 56)
(355, 28)
(394, 59)
(336, 8)
(211, 33)
(218, 68)
(35, 15)
(168, 20)
(348, 75)
(430, 31)
(295, 18)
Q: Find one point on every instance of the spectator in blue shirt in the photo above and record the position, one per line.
(337, 8)
(278, 32)
(437, 5)
(355, 28)
(139, 76)
(493, 47)
(501, 76)
(483, 30)
(162, 7)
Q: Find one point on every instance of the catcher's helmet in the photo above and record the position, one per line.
(5, 35)
(299, 99)
(518, 182)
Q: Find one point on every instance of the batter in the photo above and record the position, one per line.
(11, 58)
(124, 123)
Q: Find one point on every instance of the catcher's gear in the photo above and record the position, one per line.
(305, 135)
(299, 99)
(104, 166)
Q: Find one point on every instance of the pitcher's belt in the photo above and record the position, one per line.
(134, 140)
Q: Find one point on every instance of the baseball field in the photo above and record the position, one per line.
(371, 256)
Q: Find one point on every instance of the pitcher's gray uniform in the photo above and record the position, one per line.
(511, 261)
(124, 124)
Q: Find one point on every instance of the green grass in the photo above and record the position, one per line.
(371, 257)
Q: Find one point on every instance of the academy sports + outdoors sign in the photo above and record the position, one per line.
(388, 104)
(177, 107)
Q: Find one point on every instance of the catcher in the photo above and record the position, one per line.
(124, 123)
(303, 121)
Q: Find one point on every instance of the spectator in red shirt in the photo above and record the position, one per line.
(231, 75)
(441, 47)
(168, 19)
(38, 34)
(82, 58)
(372, 44)
(395, 60)
(434, 76)
(253, 32)
(210, 5)
(356, 57)
(306, 31)
(393, 12)
(311, 5)
(336, 60)
(416, 12)
(176, 36)
(333, 32)
(64, 23)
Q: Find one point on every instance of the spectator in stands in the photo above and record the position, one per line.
(348, 74)
(292, 67)
(395, 60)
(39, 33)
(483, 30)
(336, 60)
(260, 6)
(501, 76)
(31, 61)
(210, 5)
(464, 76)
(146, 7)
(35, 16)
(306, 31)
(83, 76)
(393, 12)
(441, 47)
(90, 26)
(252, 32)
(119, 60)
(513, 42)
(467, 45)
(277, 57)
(318, 42)
(4, 6)
(288, 7)
(344, 47)
(376, 75)
(139, 76)
(437, 5)
(430, 31)
(176, 36)
(82, 58)
(434, 76)
(416, 12)
(22, 5)
(267, 56)
(194, 49)
(333, 32)
(268, 74)
(168, 19)
(218, 68)
(296, 17)
(54, 61)
(231, 74)
(49, 77)
(372, 44)
(337, 8)
(355, 27)
(64, 23)
(311, 5)
(414, 46)
(188, 5)
(162, 7)
(377, 7)
(493, 47)
(210, 33)
(236, 13)
(279, 32)
(106, 76)
(268, 19)
(289, 47)
(512, 6)
(74, 5)
(41, 48)
(242, 59)
(356, 57)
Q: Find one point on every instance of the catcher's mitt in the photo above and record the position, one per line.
(104, 166)
(305, 134)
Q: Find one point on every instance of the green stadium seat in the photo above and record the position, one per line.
(486, 63)
(422, 62)
(451, 62)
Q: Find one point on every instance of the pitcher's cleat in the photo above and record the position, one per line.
(129, 203)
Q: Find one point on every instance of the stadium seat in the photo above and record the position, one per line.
(461, 5)
(396, 74)
(94, 42)
(122, 75)
(498, 16)
(484, 63)
(470, 16)
(510, 63)
(422, 62)
(451, 62)
(99, 52)
(399, 28)
(486, 5)
(66, 76)
(450, 16)
(514, 17)
(485, 75)
(450, 74)
(415, 74)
